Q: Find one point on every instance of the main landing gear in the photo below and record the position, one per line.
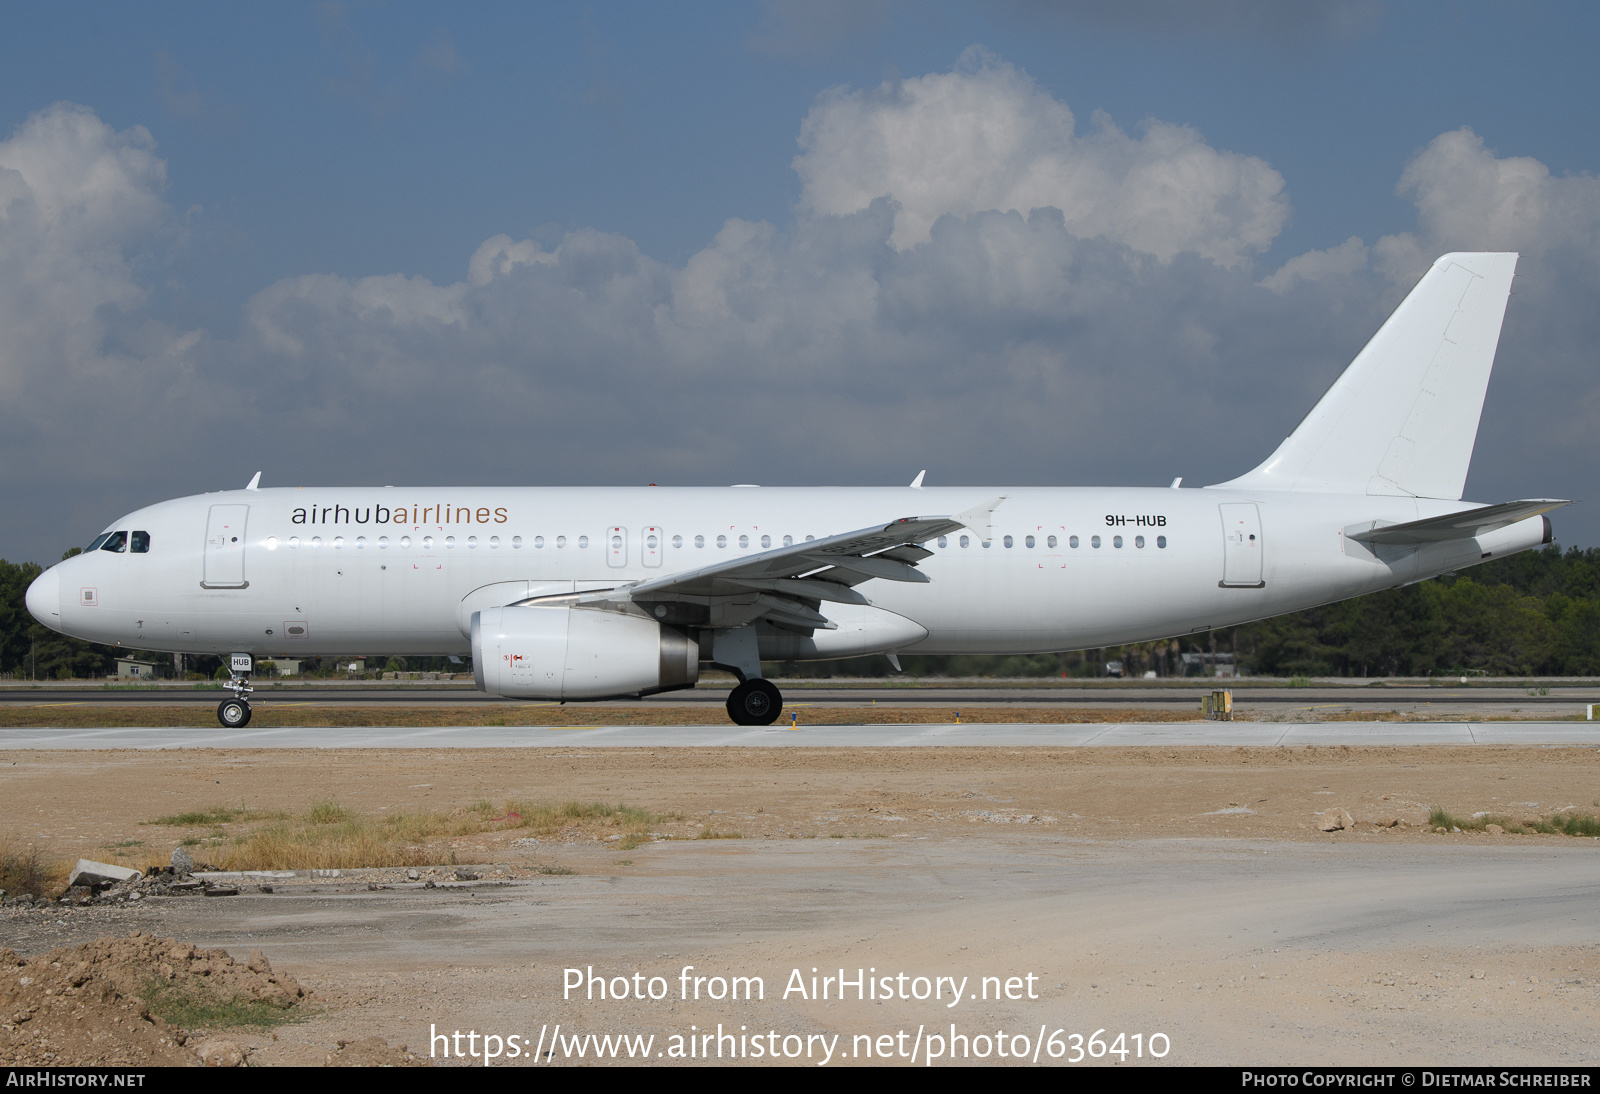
(755, 703)
(235, 713)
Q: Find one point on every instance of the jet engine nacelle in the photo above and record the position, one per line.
(563, 652)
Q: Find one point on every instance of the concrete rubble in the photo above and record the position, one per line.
(98, 875)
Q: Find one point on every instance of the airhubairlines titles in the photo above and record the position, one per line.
(398, 514)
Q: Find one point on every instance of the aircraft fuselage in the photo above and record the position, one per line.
(332, 571)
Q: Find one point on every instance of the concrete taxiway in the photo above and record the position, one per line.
(1187, 734)
(1531, 699)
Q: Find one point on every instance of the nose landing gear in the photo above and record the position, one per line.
(235, 713)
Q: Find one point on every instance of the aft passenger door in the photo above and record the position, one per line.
(1241, 546)
(224, 561)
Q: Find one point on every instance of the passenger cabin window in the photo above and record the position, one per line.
(116, 542)
(699, 541)
(788, 541)
(1094, 541)
(1161, 541)
(1007, 541)
(1051, 542)
(677, 541)
(140, 543)
(744, 541)
(1138, 541)
(944, 541)
(1072, 541)
(1028, 541)
(766, 541)
(722, 541)
(1116, 541)
(583, 542)
(964, 541)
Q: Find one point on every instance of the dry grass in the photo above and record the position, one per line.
(272, 716)
(27, 869)
(328, 836)
(1567, 824)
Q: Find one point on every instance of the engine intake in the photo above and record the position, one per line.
(550, 652)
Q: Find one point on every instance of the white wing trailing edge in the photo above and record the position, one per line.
(1464, 525)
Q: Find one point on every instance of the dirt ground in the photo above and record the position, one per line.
(1186, 890)
(82, 804)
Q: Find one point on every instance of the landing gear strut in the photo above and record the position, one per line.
(755, 703)
(235, 713)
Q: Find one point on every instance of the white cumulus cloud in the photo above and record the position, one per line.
(986, 136)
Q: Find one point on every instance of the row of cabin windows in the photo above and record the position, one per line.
(1051, 541)
(121, 542)
(140, 542)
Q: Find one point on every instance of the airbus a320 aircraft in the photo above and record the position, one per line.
(576, 594)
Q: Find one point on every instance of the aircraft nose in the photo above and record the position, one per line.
(44, 598)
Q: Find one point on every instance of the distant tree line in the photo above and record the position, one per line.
(1533, 614)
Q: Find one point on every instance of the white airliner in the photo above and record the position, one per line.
(576, 594)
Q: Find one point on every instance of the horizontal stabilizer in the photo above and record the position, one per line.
(1463, 525)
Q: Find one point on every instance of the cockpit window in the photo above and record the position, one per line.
(98, 540)
(141, 543)
(116, 541)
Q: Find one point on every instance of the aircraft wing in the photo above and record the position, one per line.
(788, 585)
(1463, 525)
(817, 569)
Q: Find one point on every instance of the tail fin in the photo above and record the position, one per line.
(1402, 419)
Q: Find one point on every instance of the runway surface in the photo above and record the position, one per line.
(1221, 734)
(1356, 697)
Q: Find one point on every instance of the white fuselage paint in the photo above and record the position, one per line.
(338, 591)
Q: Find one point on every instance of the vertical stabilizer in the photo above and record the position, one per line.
(1402, 419)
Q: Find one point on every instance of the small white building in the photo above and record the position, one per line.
(131, 668)
(280, 666)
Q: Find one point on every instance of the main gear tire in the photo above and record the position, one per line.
(233, 713)
(755, 703)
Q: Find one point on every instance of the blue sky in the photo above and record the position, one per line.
(254, 174)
